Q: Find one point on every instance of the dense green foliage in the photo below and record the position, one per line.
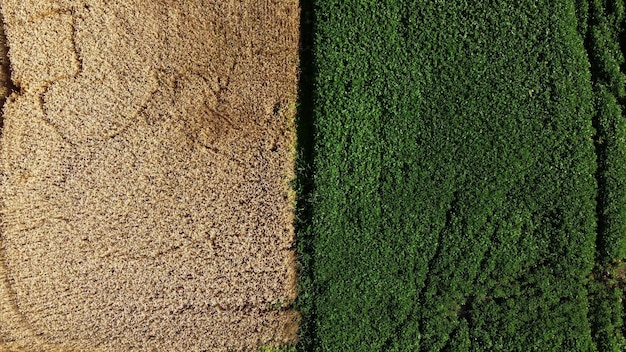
(602, 27)
(606, 316)
(603, 34)
(602, 38)
(453, 205)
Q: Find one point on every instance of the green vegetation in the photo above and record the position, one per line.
(453, 198)
(602, 27)
(602, 37)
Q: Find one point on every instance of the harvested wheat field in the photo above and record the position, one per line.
(146, 155)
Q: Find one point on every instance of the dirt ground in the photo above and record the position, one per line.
(146, 155)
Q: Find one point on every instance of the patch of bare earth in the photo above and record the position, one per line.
(146, 157)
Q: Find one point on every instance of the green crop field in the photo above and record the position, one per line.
(464, 187)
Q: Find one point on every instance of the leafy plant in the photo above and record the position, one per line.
(453, 202)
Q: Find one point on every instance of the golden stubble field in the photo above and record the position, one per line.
(146, 155)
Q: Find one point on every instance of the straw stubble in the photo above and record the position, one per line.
(146, 159)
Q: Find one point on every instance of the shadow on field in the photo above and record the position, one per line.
(304, 184)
